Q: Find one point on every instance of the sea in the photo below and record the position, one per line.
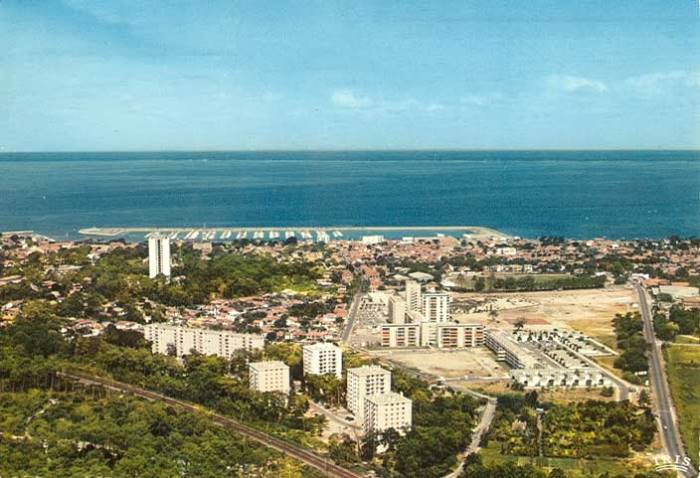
(576, 194)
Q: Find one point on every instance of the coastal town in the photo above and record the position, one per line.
(481, 316)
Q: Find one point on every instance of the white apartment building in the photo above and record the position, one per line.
(372, 240)
(388, 410)
(397, 309)
(425, 334)
(511, 352)
(459, 335)
(560, 377)
(158, 256)
(182, 340)
(323, 358)
(400, 335)
(436, 307)
(414, 303)
(365, 381)
(269, 376)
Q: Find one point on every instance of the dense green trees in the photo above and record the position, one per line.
(679, 321)
(687, 320)
(526, 427)
(122, 276)
(211, 381)
(533, 283)
(71, 435)
(594, 428)
(443, 423)
(628, 329)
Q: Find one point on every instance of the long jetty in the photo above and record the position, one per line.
(475, 231)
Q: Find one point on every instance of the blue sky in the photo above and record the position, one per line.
(223, 74)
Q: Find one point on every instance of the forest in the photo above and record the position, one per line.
(525, 426)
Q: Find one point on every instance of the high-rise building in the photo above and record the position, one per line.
(364, 381)
(182, 341)
(413, 296)
(269, 376)
(388, 410)
(158, 256)
(397, 309)
(323, 358)
(436, 307)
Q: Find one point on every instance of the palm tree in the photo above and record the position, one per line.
(493, 314)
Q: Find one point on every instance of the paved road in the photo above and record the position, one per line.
(352, 314)
(309, 458)
(670, 434)
(332, 416)
(481, 428)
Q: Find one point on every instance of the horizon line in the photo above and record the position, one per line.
(342, 150)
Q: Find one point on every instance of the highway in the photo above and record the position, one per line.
(307, 457)
(670, 434)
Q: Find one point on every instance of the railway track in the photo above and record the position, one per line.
(321, 463)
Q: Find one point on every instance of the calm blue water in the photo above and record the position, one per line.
(575, 194)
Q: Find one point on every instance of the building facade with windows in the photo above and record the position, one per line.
(388, 410)
(400, 335)
(450, 336)
(413, 296)
(269, 376)
(323, 358)
(158, 256)
(364, 381)
(397, 309)
(182, 341)
(436, 307)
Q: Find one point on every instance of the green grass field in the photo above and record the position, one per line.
(683, 368)
(580, 468)
(687, 339)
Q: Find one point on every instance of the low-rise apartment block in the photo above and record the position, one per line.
(426, 334)
(509, 351)
(400, 335)
(166, 339)
(450, 336)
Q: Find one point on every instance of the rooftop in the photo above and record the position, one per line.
(366, 370)
(268, 365)
(322, 346)
(388, 398)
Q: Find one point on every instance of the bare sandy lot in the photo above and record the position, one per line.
(476, 362)
(589, 311)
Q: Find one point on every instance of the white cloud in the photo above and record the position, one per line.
(654, 83)
(576, 84)
(271, 97)
(434, 107)
(481, 100)
(351, 100)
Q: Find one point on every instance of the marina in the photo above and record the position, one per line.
(303, 233)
